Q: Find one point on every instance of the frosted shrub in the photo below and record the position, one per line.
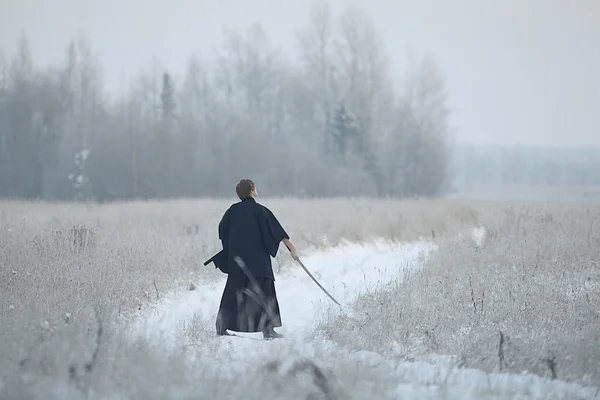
(527, 299)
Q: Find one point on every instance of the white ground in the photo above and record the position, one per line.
(345, 272)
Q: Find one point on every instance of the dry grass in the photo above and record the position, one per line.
(69, 273)
(527, 300)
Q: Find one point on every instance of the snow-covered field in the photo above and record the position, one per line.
(95, 303)
(346, 271)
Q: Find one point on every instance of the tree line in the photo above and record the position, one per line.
(526, 165)
(331, 122)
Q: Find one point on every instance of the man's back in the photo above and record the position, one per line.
(250, 231)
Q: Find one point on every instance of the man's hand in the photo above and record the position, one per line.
(292, 249)
(294, 254)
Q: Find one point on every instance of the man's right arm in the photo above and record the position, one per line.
(273, 233)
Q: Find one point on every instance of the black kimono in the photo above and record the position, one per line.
(250, 231)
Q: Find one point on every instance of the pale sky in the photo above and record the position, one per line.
(517, 71)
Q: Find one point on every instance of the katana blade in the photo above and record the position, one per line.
(317, 282)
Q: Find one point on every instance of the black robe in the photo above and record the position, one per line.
(250, 231)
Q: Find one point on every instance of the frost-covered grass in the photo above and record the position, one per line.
(65, 295)
(527, 299)
(70, 274)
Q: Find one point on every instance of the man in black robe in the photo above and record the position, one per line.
(250, 235)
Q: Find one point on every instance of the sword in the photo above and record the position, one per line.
(316, 281)
(212, 259)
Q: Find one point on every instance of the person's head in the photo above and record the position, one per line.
(246, 188)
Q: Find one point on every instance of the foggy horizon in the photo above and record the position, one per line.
(533, 83)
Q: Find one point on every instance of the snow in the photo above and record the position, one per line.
(345, 271)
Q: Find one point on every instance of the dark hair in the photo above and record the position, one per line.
(244, 188)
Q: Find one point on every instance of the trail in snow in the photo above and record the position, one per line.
(346, 272)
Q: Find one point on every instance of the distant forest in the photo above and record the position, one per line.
(332, 123)
(525, 165)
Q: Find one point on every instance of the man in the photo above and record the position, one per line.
(250, 235)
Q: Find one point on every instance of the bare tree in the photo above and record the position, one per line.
(425, 133)
(198, 116)
(316, 52)
(196, 95)
(81, 102)
(252, 79)
(251, 70)
(364, 88)
(20, 111)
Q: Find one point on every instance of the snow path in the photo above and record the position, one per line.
(346, 272)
